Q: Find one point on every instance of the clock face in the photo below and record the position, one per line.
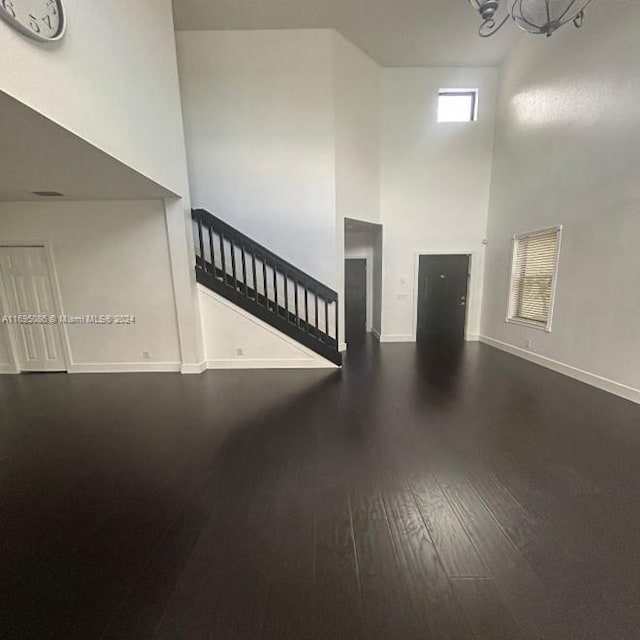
(39, 19)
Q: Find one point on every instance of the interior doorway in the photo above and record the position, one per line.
(363, 280)
(27, 291)
(355, 299)
(443, 282)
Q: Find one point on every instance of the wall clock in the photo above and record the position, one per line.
(42, 20)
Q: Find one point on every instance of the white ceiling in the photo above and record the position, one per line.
(38, 155)
(392, 32)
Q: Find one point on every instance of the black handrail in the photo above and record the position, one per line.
(266, 269)
(232, 233)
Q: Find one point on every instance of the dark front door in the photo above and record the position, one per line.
(355, 299)
(442, 296)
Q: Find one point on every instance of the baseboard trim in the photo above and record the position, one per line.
(472, 337)
(342, 347)
(288, 363)
(376, 334)
(8, 368)
(124, 367)
(193, 367)
(387, 338)
(605, 384)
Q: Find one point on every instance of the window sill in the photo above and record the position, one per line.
(530, 323)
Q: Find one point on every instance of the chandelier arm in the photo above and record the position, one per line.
(566, 11)
(546, 2)
(579, 20)
(489, 27)
(586, 4)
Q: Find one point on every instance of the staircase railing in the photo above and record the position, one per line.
(257, 280)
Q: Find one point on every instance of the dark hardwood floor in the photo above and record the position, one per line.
(421, 493)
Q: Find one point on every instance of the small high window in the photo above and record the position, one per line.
(533, 277)
(457, 105)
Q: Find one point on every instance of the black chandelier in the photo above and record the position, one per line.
(541, 17)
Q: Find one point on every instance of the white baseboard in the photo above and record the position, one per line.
(288, 363)
(472, 337)
(9, 368)
(193, 367)
(342, 347)
(617, 388)
(123, 367)
(376, 334)
(388, 338)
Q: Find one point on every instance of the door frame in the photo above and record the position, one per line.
(57, 300)
(368, 258)
(472, 253)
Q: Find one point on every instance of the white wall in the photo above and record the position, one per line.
(110, 258)
(435, 181)
(112, 80)
(259, 120)
(234, 339)
(357, 126)
(568, 152)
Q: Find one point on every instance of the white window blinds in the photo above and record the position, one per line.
(535, 259)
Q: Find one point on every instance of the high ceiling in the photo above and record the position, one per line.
(392, 32)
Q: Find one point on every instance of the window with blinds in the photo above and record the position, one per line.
(533, 275)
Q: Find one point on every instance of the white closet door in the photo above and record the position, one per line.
(29, 292)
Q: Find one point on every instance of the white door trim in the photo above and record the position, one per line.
(57, 299)
(472, 253)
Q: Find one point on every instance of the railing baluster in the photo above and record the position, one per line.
(295, 293)
(275, 289)
(326, 317)
(233, 264)
(306, 308)
(264, 273)
(213, 259)
(244, 270)
(286, 296)
(254, 280)
(200, 241)
(223, 259)
(316, 315)
(336, 327)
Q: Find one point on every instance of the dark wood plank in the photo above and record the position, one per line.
(337, 611)
(429, 590)
(485, 611)
(385, 603)
(289, 606)
(522, 589)
(459, 556)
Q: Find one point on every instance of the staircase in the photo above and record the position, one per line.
(257, 280)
